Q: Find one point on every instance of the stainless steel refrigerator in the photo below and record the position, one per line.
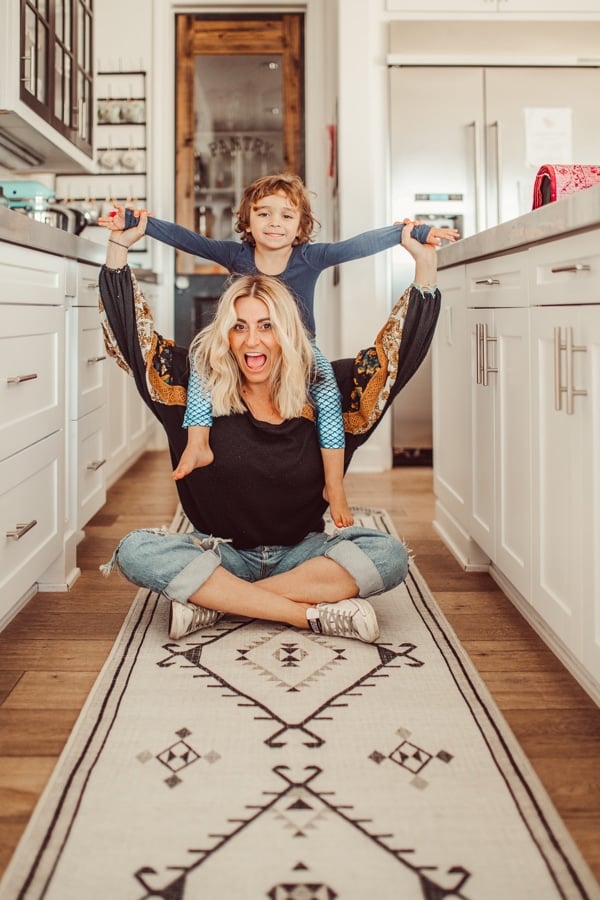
(466, 143)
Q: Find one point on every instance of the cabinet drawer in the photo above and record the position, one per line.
(88, 441)
(28, 276)
(89, 370)
(31, 494)
(497, 282)
(566, 271)
(87, 285)
(31, 374)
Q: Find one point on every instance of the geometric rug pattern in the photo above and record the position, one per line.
(252, 760)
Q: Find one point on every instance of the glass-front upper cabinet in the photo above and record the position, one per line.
(56, 65)
(239, 116)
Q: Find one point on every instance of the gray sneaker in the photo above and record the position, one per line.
(186, 618)
(347, 618)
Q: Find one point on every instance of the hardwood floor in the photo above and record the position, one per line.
(51, 653)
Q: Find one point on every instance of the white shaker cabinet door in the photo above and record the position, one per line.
(590, 336)
(500, 520)
(565, 471)
(450, 376)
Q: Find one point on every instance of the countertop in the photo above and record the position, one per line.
(576, 212)
(17, 228)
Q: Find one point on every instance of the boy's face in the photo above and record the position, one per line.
(274, 222)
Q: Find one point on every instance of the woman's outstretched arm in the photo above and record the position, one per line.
(370, 382)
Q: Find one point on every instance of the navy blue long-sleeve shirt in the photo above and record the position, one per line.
(305, 264)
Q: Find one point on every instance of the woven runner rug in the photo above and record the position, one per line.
(253, 761)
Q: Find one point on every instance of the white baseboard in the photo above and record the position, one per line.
(573, 666)
(464, 549)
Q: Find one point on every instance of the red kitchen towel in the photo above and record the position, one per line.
(553, 182)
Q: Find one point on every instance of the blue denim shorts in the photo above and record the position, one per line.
(177, 565)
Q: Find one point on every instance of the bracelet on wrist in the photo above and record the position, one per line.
(112, 241)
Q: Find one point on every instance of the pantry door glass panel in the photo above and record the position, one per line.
(239, 116)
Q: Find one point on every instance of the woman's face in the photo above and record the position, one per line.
(253, 341)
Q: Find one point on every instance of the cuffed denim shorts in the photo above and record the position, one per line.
(177, 565)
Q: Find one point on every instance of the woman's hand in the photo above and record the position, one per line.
(424, 255)
(115, 220)
(119, 242)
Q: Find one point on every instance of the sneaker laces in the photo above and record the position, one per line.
(337, 621)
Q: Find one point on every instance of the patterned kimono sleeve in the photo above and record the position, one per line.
(370, 382)
(157, 365)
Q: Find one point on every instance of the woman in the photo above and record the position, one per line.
(259, 549)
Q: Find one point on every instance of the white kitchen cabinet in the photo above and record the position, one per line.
(500, 511)
(31, 374)
(450, 378)
(455, 7)
(566, 485)
(127, 423)
(32, 449)
(88, 396)
(31, 518)
(88, 461)
(566, 271)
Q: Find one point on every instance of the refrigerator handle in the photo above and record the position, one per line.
(476, 174)
(498, 161)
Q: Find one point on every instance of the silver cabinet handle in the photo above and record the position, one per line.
(558, 388)
(489, 281)
(93, 286)
(569, 389)
(20, 530)
(486, 368)
(17, 379)
(478, 352)
(496, 127)
(482, 366)
(95, 359)
(476, 179)
(95, 464)
(576, 267)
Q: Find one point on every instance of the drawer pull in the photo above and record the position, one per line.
(96, 464)
(577, 267)
(20, 530)
(569, 389)
(488, 281)
(93, 286)
(95, 359)
(17, 379)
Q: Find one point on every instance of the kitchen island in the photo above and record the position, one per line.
(72, 421)
(516, 418)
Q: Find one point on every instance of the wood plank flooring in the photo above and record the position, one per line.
(52, 651)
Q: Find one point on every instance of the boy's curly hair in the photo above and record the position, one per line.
(294, 189)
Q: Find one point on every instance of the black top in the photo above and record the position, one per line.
(265, 486)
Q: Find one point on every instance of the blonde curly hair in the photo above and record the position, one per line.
(217, 367)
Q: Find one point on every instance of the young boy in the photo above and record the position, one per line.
(276, 225)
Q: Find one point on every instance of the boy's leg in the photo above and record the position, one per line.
(197, 452)
(334, 493)
(330, 430)
(198, 421)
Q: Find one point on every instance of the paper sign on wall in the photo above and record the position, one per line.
(548, 135)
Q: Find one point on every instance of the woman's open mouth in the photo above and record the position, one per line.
(255, 361)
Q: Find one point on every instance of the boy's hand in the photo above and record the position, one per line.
(436, 235)
(115, 220)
